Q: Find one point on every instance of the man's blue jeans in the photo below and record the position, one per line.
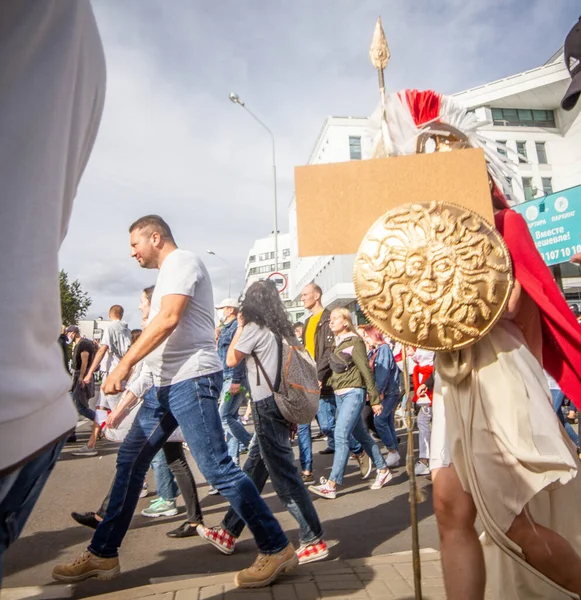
(193, 405)
(305, 447)
(236, 433)
(348, 423)
(385, 422)
(326, 415)
(165, 482)
(19, 491)
(558, 399)
(273, 455)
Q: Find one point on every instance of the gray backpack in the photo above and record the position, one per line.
(297, 388)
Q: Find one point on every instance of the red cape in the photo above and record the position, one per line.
(561, 332)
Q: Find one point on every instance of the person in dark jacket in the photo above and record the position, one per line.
(318, 340)
(352, 381)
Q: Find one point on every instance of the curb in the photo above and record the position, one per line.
(304, 573)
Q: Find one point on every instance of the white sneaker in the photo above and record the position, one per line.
(392, 459)
(85, 451)
(160, 508)
(421, 468)
(381, 479)
(144, 490)
(212, 491)
(324, 490)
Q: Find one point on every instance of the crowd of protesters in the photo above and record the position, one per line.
(356, 371)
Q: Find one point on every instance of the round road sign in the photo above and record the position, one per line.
(280, 280)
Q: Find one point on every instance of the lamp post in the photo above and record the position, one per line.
(236, 100)
(227, 266)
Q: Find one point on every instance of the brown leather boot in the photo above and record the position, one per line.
(86, 566)
(266, 568)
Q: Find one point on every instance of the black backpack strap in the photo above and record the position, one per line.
(260, 368)
(279, 366)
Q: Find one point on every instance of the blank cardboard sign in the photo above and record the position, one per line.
(338, 202)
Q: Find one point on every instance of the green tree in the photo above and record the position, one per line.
(74, 302)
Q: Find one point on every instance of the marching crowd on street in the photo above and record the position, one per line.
(360, 387)
(176, 386)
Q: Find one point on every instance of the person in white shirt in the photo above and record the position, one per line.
(178, 348)
(52, 91)
(114, 344)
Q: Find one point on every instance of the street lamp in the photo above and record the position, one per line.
(227, 266)
(234, 98)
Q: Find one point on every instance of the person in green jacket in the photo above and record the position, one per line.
(352, 381)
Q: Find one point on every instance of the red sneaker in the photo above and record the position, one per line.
(218, 537)
(308, 553)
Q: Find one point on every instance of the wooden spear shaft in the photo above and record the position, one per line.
(410, 468)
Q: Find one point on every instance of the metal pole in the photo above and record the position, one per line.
(276, 261)
(275, 207)
(417, 565)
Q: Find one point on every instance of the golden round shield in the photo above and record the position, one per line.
(433, 275)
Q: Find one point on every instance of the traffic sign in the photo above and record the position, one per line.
(280, 280)
(555, 224)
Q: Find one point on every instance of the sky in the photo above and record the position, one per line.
(171, 143)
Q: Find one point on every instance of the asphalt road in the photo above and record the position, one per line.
(358, 524)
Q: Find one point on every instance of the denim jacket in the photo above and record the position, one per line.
(237, 373)
(385, 370)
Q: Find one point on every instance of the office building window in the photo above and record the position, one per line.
(285, 253)
(286, 265)
(510, 117)
(502, 147)
(521, 150)
(251, 258)
(527, 184)
(355, 147)
(547, 185)
(541, 153)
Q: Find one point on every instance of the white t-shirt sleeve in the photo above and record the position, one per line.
(180, 277)
(106, 339)
(249, 339)
(140, 384)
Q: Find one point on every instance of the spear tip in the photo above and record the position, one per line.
(379, 50)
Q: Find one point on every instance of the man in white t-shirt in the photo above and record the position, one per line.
(114, 345)
(52, 90)
(179, 350)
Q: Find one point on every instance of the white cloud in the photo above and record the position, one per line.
(171, 142)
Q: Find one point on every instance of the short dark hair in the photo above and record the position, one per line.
(317, 288)
(117, 310)
(148, 291)
(135, 333)
(156, 224)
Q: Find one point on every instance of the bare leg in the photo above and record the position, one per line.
(93, 437)
(460, 549)
(547, 551)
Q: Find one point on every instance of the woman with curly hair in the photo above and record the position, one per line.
(262, 325)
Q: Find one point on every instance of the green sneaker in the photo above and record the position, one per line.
(160, 508)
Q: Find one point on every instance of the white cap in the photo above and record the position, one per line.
(228, 302)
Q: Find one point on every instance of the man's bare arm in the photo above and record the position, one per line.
(84, 364)
(96, 362)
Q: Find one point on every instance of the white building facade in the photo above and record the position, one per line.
(260, 264)
(523, 112)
